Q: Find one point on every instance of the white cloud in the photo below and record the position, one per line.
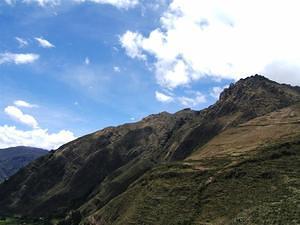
(193, 99)
(132, 43)
(122, 4)
(44, 3)
(10, 2)
(16, 114)
(44, 43)
(87, 61)
(216, 91)
(9, 57)
(10, 136)
(22, 42)
(284, 72)
(161, 97)
(117, 69)
(198, 99)
(221, 39)
(172, 74)
(126, 4)
(21, 103)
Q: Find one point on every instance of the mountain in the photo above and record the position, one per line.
(248, 174)
(214, 166)
(12, 159)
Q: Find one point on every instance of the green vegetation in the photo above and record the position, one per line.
(23, 221)
(261, 189)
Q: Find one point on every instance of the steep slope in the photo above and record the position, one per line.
(12, 159)
(68, 177)
(248, 98)
(279, 126)
(261, 190)
(92, 172)
(246, 175)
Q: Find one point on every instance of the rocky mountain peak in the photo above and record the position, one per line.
(256, 95)
(247, 86)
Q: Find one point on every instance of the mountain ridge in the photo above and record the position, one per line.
(14, 158)
(87, 174)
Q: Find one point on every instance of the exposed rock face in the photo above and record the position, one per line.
(255, 96)
(86, 174)
(12, 159)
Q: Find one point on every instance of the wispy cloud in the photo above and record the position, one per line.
(22, 42)
(21, 103)
(122, 4)
(43, 3)
(117, 69)
(44, 43)
(161, 97)
(10, 2)
(87, 61)
(16, 114)
(197, 99)
(17, 58)
(193, 99)
(117, 3)
(216, 91)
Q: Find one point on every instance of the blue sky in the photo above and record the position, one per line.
(79, 66)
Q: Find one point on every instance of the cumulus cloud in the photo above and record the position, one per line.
(9, 57)
(221, 39)
(16, 114)
(21, 103)
(44, 43)
(22, 42)
(10, 136)
(132, 43)
(161, 97)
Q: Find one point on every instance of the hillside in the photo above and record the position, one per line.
(12, 159)
(191, 167)
(238, 179)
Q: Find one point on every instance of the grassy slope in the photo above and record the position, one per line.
(275, 127)
(19, 221)
(262, 189)
(255, 184)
